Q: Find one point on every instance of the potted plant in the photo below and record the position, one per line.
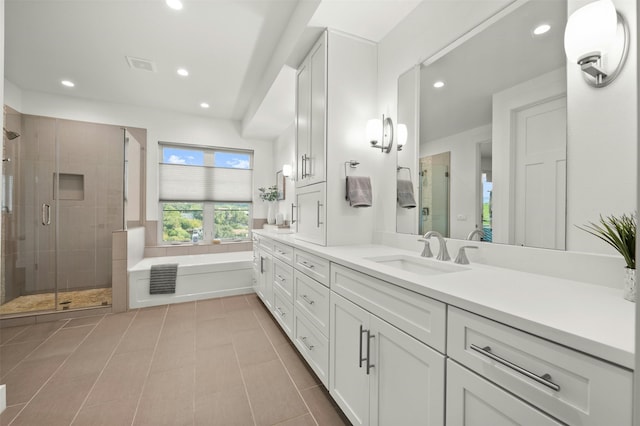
(270, 195)
(620, 233)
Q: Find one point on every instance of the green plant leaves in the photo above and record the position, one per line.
(619, 233)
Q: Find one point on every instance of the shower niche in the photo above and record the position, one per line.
(67, 197)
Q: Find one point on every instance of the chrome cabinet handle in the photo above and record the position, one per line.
(360, 359)
(261, 265)
(304, 342)
(369, 337)
(307, 265)
(46, 214)
(282, 314)
(279, 277)
(318, 214)
(545, 379)
(293, 206)
(306, 299)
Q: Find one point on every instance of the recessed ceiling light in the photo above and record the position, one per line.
(67, 83)
(438, 84)
(541, 29)
(174, 4)
(204, 105)
(183, 72)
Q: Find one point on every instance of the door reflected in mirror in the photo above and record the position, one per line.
(496, 104)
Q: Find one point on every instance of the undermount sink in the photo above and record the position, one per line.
(417, 265)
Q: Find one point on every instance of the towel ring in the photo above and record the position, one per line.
(352, 164)
(405, 168)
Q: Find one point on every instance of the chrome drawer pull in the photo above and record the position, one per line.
(307, 265)
(282, 314)
(304, 341)
(543, 380)
(306, 299)
(369, 337)
(280, 277)
(362, 331)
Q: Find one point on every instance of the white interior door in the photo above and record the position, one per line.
(540, 172)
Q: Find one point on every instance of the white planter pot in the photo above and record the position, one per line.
(630, 291)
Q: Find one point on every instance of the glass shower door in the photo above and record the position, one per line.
(89, 200)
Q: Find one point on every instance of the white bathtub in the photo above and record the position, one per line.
(201, 276)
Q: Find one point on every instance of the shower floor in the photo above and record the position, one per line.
(45, 301)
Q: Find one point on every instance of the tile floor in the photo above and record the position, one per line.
(214, 362)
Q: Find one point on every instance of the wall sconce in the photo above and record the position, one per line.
(380, 133)
(594, 33)
(402, 135)
(286, 170)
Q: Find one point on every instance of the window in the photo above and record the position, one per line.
(205, 193)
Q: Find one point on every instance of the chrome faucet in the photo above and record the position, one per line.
(478, 232)
(443, 254)
(426, 251)
(462, 258)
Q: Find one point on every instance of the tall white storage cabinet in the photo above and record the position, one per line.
(335, 96)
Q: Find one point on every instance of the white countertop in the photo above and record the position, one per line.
(589, 318)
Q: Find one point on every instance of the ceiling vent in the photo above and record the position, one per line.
(141, 64)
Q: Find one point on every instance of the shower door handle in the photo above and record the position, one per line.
(46, 214)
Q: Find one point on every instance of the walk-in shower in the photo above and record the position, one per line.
(63, 196)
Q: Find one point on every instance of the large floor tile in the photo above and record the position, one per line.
(57, 403)
(12, 354)
(300, 372)
(8, 333)
(10, 413)
(235, 303)
(306, 420)
(76, 322)
(122, 378)
(64, 342)
(168, 398)
(225, 408)
(28, 377)
(253, 347)
(213, 332)
(110, 413)
(272, 394)
(209, 309)
(39, 331)
(323, 408)
(217, 370)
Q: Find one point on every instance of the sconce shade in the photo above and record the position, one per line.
(402, 135)
(591, 30)
(374, 130)
(286, 170)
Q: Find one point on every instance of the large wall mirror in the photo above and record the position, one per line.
(487, 118)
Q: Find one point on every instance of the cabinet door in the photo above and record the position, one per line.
(348, 378)
(265, 281)
(311, 214)
(407, 384)
(303, 106)
(317, 126)
(474, 401)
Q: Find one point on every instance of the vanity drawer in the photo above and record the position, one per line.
(415, 314)
(312, 265)
(283, 311)
(571, 386)
(312, 298)
(283, 252)
(266, 244)
(283, 278)
(313, 346)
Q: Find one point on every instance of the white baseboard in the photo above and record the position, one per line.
(3, 397)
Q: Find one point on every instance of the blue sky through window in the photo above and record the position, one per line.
(234, 160)
(182, 156)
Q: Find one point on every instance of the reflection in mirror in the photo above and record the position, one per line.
(407, 181)
(434, 193)
(496, 103)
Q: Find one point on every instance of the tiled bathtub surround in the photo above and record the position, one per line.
(221, 361)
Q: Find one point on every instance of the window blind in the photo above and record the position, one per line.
(180, 182)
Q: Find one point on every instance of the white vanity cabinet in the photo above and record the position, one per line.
(380, 375)
(474, 401)
(263, 270)
(311, 95)
(574, 388)
(335, 96)
(311, 214)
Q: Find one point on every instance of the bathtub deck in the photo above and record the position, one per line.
(201, 276)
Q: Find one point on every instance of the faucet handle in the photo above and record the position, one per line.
(462, 258)
(426, 252)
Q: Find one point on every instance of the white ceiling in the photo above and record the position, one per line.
(225, 44)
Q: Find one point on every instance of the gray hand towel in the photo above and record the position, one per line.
(359, 191)
(406, 200)
(163, 278)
